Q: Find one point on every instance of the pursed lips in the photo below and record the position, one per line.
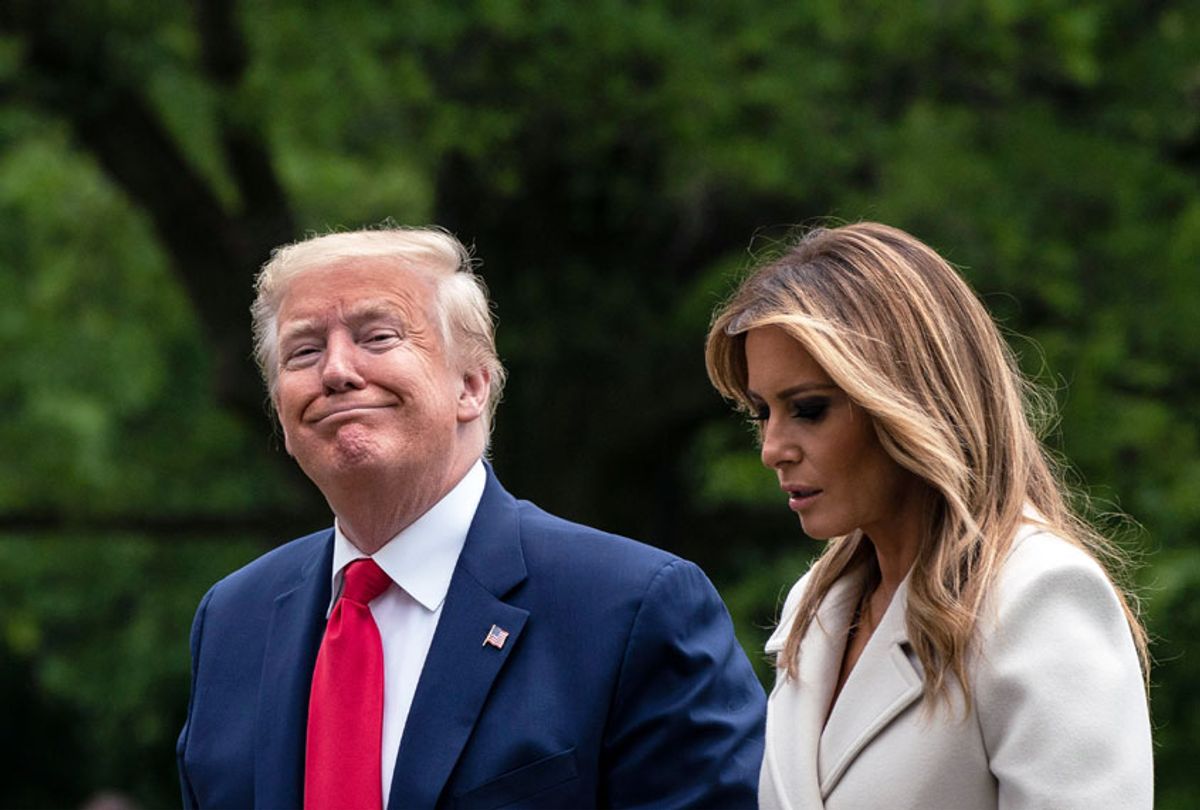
(348, 408)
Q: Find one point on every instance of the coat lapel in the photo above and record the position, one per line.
(883, 683)
(460, 668)
(293, 637)
(798, 707)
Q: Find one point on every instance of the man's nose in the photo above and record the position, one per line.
(339, 368)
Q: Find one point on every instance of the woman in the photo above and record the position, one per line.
(958, 644)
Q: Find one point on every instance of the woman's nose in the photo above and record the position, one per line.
(777, 448)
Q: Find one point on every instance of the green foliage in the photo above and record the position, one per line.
(98, 625)
(108, 406)
(756, 600)
(611, 162)
(1174, 618)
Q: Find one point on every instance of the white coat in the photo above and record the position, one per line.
(1058, 716)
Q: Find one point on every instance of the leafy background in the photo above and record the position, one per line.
(614, 164)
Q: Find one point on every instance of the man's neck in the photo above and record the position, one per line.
(373, 511)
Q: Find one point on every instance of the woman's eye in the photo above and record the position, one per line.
(810, 410)
(761, 413)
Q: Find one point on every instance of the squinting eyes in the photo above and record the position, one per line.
(299, 357)
(375, 341)
(300, 352)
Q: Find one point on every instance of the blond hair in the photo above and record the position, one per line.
(464, 314)
(905, 337)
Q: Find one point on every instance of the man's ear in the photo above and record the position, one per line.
(473, 394)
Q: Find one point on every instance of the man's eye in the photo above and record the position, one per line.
(380, 339)
(300, 355)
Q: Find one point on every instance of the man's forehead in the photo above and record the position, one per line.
(356, 292)
(352, 313)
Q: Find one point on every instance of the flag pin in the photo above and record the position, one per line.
(496, 637)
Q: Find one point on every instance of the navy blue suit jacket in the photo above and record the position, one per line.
(620, 684)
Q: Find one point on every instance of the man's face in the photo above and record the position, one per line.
(364, 383)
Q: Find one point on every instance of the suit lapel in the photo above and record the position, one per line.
(884, 683)
(460, 669)
(798, 708)
(293, 638)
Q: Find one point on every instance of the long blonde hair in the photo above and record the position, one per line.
(905, 337)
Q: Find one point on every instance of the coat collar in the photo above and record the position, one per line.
(805, 755)
(491, 565)
(883, 683)
(798, 706)
(441, 719)
(293, 638)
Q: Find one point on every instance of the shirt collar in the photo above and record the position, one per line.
(421, 558)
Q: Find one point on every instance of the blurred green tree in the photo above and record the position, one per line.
(610, 162)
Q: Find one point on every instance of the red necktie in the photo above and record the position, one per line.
(345, 709)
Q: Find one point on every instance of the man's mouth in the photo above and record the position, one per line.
(346, 410)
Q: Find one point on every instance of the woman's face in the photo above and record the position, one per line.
(821, 445)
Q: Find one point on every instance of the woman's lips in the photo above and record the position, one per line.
(800, 498)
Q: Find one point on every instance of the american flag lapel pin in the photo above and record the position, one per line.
(496, 637)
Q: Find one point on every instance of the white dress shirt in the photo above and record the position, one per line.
(420, 560)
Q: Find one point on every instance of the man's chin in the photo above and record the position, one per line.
(355, 457)
(350, 454)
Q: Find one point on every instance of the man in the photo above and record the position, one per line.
(444, 645)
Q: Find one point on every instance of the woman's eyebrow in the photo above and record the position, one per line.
(800, 388)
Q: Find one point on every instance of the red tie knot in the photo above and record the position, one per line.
(364, 580)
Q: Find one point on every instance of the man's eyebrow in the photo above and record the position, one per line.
(373, 309)
(301, 327)
(801, 388)
(357, 314)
